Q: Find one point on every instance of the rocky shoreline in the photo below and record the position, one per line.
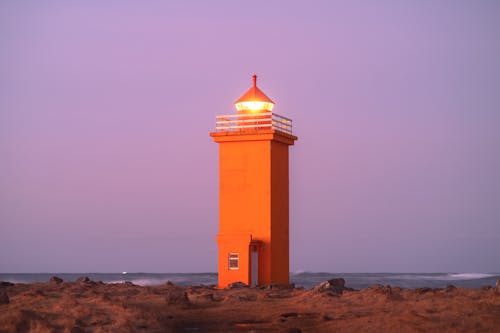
(89, 306)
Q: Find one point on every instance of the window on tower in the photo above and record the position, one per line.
(234, 260)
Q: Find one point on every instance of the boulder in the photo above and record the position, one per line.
(336, 286)
(237, 285)
(337, 283)
(450, 288)
(4, 298)
(323, 286)
(56, 280)
(177, 296)
(497, 286)
(83, 279)
(6, 284)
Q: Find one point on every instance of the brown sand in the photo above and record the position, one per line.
(97, 307)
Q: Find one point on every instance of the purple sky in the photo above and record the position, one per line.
(106, 164)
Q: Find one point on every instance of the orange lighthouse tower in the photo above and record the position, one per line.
(253, 200)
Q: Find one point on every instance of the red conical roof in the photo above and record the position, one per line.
(254, 94)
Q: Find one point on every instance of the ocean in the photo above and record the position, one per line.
(302, 279)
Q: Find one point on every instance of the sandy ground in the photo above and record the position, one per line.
(88, 306)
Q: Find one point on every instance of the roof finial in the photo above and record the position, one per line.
(254, 80)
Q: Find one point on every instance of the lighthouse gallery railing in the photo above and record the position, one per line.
(243, 121)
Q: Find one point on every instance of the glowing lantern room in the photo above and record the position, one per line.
(254, 100)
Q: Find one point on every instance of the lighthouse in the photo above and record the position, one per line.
(253, 238)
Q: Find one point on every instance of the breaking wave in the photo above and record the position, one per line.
(299, 278)
(469, 276)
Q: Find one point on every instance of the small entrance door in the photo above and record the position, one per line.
(254, 263)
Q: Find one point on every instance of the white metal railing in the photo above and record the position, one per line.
(243, 121)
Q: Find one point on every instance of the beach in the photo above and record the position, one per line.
(89, 306)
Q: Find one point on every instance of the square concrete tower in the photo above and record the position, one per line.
(253, 238)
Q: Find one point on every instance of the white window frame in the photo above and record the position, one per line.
(231, 258)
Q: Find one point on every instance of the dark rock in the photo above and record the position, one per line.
(289, 314)
(177, 296)
(168, 283)
(497, 286)
(327, 318)
(83, 279)
(56, 280)
(294, 330)
(337, 286)
(6, 284)
(77, 329)
(337, 283)
(128, 283)
(237, 285)
(323, 286)
(4, 298)
(450, 288)
(486, 287)
(421, 291)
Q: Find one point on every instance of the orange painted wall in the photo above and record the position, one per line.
(279, 213)
(254, 204)
(233, 243)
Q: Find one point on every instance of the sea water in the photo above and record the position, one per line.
(300, 279)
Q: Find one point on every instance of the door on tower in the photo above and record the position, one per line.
(254, 265)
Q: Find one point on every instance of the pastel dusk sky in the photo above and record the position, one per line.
(106, 163)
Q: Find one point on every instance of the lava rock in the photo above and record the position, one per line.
(4, 298)
(56, 280)
(6, 284)
(177, 296)
(294, 330)
(237, 285)
(327, 318)
(337, 283)
(421, 291)
(84, 279)
(336, 286)
(450, 288)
